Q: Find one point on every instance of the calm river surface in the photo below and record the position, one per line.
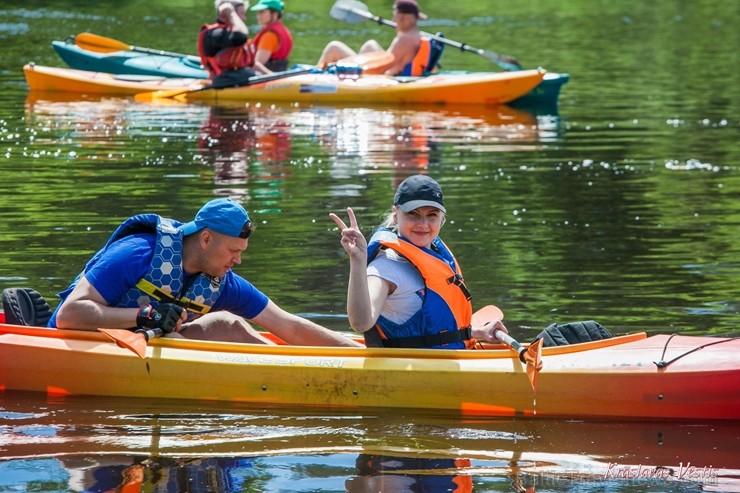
(623, 206)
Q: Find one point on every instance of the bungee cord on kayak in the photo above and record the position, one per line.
(663, 363)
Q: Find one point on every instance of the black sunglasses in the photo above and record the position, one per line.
(246, 230)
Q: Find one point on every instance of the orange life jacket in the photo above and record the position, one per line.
(446, 313)
(279, 58)
(418, 66)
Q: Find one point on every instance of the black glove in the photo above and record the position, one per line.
(165, 317)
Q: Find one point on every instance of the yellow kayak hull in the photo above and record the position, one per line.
(603, 379)
(455, 89)
(54, 79)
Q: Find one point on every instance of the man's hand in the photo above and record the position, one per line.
(225, 10)
(166, 317)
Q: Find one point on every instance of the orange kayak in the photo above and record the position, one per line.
(457, 89)
(630, 377)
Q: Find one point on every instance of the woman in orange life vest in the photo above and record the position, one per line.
(411, 52)
(405, 286)
(223, 46)
(273, 43)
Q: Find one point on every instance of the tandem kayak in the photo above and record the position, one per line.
(631, 376)
(474, 88)
(157, 63)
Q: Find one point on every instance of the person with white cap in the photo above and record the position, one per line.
(408, 56)
(405, 287)
(223, 46)
(156, 272)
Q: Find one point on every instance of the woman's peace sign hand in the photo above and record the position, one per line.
(353, 241)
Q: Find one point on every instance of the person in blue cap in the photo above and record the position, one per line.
(156, 272)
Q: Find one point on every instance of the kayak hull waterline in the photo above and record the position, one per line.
(603, 379)
(474, 88)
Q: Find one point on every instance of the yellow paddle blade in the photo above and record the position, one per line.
(533, 356)
(148, 97)
(100, 44)
(128, 340)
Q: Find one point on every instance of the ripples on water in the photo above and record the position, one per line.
(102, 441)
(554, 218)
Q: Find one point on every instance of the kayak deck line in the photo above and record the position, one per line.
(487, 351)
(667, 345)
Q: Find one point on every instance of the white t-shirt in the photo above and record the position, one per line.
(405, 301)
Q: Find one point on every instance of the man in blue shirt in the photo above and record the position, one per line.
(156, 272)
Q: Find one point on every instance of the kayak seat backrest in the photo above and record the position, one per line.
(25, 306)
(572, 333)
(437, 49)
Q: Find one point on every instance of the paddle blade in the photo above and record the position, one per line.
(506, 62)
(100, 44)
(351, 11)
(533, 356)
(148, 97)
(486, 314)
(126, 339)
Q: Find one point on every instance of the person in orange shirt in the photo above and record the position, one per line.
(272, 45)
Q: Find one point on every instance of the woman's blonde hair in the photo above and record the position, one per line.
(390, 220)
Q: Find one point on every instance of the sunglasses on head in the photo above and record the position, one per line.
(246, 230)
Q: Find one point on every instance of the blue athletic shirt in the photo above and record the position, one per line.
(127, 260)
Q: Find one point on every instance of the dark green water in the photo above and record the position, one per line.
(622, 206)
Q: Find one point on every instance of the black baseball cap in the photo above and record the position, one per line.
(418, 191)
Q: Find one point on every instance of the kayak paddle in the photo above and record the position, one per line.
(145, 97)
(135, 341)
(102, 44)
(530, 356)
(354, 11)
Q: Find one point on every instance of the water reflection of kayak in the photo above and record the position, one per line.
(95, 435)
